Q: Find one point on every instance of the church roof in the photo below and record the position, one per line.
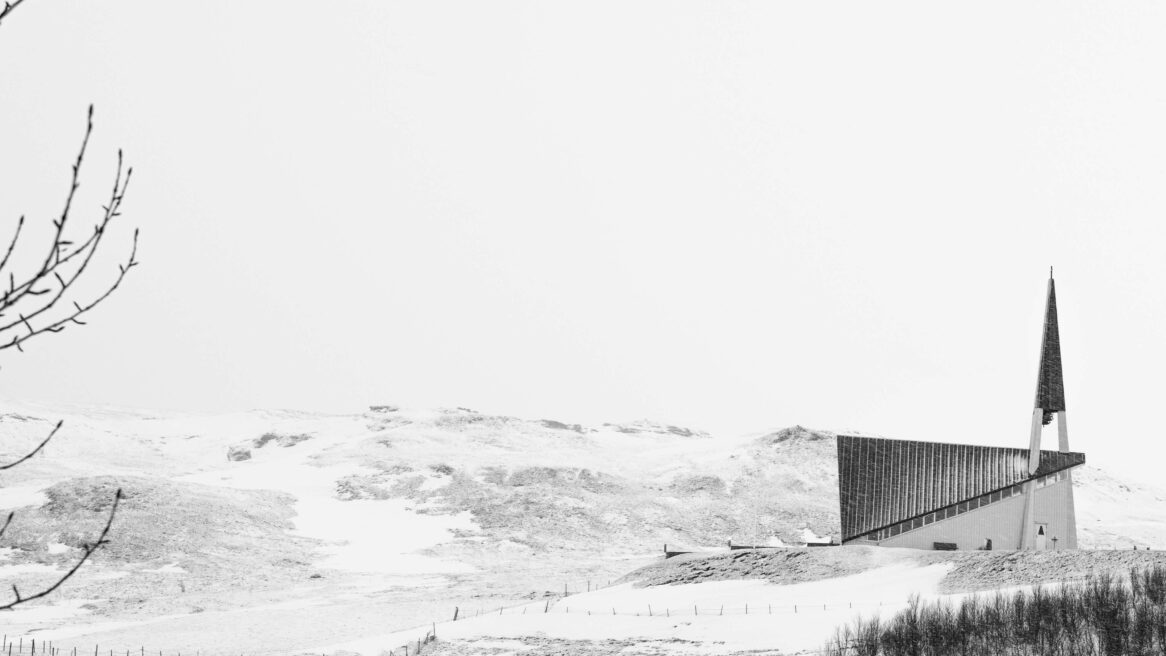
(882, 481)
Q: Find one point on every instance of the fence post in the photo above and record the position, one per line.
(455, 609)
(649, 610)
(548, 607)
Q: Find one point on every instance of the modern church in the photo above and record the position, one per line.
(930, 495)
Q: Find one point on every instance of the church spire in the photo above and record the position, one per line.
(1050, 385)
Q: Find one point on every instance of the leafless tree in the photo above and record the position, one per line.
(41, 301)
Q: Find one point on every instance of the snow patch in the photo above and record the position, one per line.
(378, 536)
(172, 568)
(25, 568)
(22, 495)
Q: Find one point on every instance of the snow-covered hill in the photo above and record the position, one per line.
(266, 532)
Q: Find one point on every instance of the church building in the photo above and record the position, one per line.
(932, 495)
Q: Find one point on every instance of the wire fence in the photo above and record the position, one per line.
(25, 646)
(650, 610)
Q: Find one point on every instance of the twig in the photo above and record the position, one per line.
(8, 7)
(34, 451)
(89, 549)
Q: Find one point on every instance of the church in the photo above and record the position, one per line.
(933, 495)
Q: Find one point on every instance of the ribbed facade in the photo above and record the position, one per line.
(883, 482)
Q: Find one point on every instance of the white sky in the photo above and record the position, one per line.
(732, 216)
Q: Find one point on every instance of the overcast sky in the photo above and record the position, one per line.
(732, 216)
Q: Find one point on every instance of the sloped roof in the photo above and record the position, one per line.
(882, 481)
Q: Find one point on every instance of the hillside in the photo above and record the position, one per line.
(323, 527)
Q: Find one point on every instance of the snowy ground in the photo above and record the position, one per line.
(362, 532)
(722, 617)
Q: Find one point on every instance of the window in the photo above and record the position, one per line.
(963, 507)
(995, 497)
(928, 518)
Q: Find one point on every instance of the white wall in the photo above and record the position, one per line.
(1000, 521)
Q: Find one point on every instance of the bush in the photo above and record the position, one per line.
(1105, 615)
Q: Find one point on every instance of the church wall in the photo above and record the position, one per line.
(1001, 521)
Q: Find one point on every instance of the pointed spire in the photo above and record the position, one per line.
(1050, 385)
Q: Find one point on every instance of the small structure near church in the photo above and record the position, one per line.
(931, 495)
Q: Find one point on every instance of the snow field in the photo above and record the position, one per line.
(771, 623)
(371, 536)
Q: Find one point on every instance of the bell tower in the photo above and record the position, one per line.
(1049, 405)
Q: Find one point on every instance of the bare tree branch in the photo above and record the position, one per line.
(89, 550)
(33, 452)
(42, 282)
(53, 258)
(49, 275)
(12, 244)
(9, 5)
